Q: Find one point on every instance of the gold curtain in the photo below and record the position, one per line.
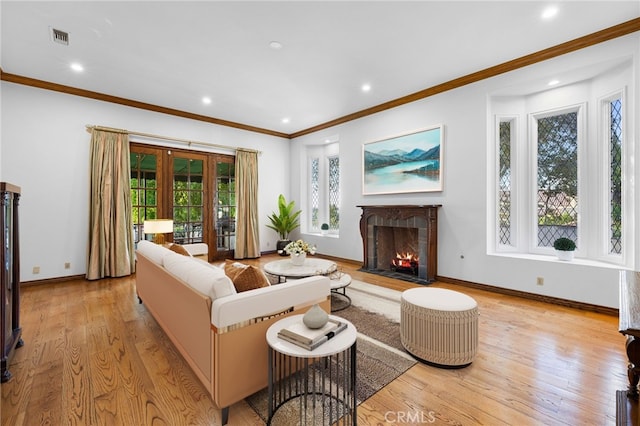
(247, 224)
(111, 245)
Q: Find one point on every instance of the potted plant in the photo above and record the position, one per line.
(324, 228)
(284, 221)
(564, 248)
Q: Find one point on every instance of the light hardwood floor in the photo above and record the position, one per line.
(94, 356)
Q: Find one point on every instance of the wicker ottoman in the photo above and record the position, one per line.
(439, 326)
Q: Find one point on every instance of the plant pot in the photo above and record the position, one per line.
(565, 255)
(280, 245)
(298, 259)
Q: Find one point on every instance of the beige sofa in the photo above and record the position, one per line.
(219, 332)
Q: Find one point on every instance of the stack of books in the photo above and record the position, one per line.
(305, 337)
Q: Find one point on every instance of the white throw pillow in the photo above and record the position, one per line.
(178, 265)
(153, 251)
(210, 280)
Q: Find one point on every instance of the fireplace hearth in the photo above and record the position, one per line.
(400, 241)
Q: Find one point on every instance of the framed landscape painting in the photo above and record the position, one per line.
(408, 163)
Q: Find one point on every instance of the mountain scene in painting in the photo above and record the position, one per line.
(392, 157)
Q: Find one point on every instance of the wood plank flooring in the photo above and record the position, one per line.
(94, 356)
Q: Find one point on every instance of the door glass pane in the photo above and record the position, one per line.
(187, 200)
(144, 192)
(225, 207)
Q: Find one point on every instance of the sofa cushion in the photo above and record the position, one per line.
(179, 249)
(207, 279)
(245, 277)
(153, 251)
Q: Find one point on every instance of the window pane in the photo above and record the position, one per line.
(615, 179)
(315, 192)
(225, 206)
(143, 193)
(504, 196)
(334, 193)
(557, 178)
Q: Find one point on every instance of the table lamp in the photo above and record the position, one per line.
(158, 227)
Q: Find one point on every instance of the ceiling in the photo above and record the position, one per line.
(172, 54)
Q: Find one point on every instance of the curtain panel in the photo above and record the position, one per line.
(247, 224)
(111, 244)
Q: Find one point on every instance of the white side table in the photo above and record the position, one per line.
(312, 387)
(284, 269)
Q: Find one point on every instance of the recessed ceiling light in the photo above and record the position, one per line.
(553, 82)
(366, 87)
(206, 100)
(286, 120)
(77, 67)
(549, 12)
(275, 45)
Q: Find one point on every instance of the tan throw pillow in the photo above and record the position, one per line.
(245, 277)
(179, 249)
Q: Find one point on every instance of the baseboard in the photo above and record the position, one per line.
(531, 296)
(52, 280)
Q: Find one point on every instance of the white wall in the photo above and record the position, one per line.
(45, 148)
(45, 151)
(463, 219)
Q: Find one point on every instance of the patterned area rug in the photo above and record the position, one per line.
(380, 356)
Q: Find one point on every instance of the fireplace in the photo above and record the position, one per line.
(400, 241)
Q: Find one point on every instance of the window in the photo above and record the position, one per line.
(505, 232)
(195, 189)
(613, 120)
(144, 189)
(323, 191)
(334, 193)
(554, 180)
(225, 206)
(557, 177)
(188, 193)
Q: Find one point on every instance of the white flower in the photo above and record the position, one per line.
(299, 247)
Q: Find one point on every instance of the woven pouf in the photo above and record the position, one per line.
(439, 326)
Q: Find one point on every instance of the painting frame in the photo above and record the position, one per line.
(405, 163)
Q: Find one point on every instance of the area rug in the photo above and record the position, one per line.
(380, 358)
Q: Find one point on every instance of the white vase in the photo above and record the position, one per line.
(298, 259)
(315, 317)
(565, 255)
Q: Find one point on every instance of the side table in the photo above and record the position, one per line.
(312, 387)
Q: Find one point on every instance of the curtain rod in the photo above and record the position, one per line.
(168, 138)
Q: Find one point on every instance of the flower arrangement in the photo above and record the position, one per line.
(299, 247)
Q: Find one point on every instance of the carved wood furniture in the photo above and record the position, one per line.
(11, 333)
(422, 217)
(630, 325)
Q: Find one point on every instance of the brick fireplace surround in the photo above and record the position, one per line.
(418, 224)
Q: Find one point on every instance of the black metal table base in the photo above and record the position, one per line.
(313, 391)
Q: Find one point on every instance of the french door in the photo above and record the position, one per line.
(195, 189)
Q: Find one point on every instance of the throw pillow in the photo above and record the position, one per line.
(179, 249)
(245, 277)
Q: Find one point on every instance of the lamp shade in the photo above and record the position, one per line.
(158, 226)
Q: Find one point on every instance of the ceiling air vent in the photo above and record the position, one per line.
(59, 36)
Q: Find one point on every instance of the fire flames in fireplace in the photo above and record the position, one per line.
(406, 263)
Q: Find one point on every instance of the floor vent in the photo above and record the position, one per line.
(59, 36)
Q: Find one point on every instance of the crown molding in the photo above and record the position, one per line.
(41, 84)
(622, 29)
(607, 34)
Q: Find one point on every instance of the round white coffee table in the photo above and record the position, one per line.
(284, 269)
(320, 384)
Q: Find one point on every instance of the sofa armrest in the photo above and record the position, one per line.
(236, 308)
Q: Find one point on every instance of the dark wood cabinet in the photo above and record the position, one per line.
(11, 334)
